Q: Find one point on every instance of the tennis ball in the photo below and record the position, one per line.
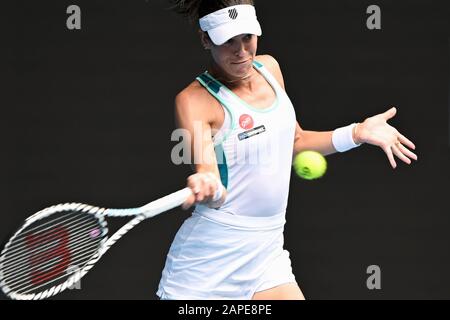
(310, 165)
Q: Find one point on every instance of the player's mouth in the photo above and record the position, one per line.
(240, 62)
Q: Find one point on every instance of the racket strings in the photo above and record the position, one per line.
(46, 279)
(19, 253)
(25, 268)
(52, 257)
(51, 223)
(14, 264)
(43, 257)
(61, 279)
(62, 274)
(50, 267)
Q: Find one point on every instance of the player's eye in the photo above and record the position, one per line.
(230, 42)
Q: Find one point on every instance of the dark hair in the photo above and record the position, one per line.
(195, 9)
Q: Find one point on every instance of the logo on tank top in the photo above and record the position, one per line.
(251, 133)
(246, 122)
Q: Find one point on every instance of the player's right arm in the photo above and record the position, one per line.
(193, 114)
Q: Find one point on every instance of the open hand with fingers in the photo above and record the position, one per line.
(376, 131)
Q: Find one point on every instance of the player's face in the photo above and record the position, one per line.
(235, 57)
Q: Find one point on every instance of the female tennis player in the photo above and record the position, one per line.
(232, 245)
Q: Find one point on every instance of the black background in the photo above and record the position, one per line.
(86, 116)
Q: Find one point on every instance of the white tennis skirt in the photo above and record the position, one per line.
(220, 256)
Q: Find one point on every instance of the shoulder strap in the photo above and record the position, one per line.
(214, 89)
(268, 75)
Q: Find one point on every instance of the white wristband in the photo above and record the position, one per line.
(342, 138)
(219, 191)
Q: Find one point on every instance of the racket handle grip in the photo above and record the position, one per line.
(153, 208)
(180, 196)
(166, 203)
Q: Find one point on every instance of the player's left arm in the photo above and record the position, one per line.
(320, 141)
(374, 130)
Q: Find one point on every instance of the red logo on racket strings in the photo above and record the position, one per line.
(246, 122)
(41, 261)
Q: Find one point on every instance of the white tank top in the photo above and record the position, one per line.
(254, 149)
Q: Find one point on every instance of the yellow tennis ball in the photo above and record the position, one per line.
(310, 165)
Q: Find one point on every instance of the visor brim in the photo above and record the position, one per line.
(225, 32)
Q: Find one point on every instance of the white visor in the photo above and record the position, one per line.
(229, 22)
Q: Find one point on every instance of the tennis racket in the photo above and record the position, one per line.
(58, 245)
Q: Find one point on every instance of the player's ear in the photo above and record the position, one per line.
(205, 39)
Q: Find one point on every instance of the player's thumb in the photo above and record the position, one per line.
(390, 113)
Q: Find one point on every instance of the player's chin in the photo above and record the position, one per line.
(242, 68)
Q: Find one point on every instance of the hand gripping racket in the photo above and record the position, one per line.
(58, 245)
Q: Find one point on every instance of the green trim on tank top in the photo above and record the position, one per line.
(258, 64)
(245, 104)
(223, 167)
(211, 87)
